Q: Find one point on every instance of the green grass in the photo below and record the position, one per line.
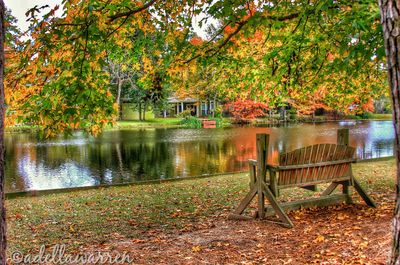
(371, 116)
(22, 128)
(382, 117)
(157, 122)
(93, 216)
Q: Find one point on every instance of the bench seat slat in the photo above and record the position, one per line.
(315, 182)
(315, 165)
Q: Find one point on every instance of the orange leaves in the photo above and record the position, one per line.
(369, 106)
(257, 36)
(246, 110)
(196, 41)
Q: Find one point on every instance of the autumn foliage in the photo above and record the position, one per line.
(244, 111)
(196, 41)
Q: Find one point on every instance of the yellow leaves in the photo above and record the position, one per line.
(120, 42)
(319, 239)
(95, 129)
(342, 216)
(196, 248)
(147, 65)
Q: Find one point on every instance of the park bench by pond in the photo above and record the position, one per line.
(305, 168)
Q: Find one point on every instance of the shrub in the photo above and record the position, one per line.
(185, 114)
(366, 115)
(191, 122)
(244, 111)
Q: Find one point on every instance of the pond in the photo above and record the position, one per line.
(119, 156)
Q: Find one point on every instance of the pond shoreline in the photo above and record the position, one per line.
(176, 123)
(37, 193)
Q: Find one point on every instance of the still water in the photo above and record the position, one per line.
(134, 155)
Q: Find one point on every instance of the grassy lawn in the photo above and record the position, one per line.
(83, 218)
(382, 117)
(371, 116)
(22, 128)
(157, 122)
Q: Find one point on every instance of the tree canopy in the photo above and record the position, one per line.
(308, 54)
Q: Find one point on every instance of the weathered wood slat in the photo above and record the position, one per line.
(307, 203)
(363, 194)
(253, 172)
(314, 182)
(246, 200)
(328, 163)
(276, 206)
(262, 153)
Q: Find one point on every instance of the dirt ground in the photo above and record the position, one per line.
(342, 234)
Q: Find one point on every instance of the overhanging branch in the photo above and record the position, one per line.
(132, 11)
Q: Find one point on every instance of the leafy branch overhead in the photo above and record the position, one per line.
(303, 53)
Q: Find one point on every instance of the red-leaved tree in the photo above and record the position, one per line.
(243, 111)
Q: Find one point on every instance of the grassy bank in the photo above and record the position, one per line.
(192, 122)
(225, 122)
(371, 116)
(387, 117)
(22, 128)
(80, 219)
(157, 122)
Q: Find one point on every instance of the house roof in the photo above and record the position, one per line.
(184, 100)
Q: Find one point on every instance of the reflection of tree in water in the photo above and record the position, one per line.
(31, 163)
(13, 181)
(144, 161)
(378, 148)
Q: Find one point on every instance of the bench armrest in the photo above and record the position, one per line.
(252, 162)
(273, 167)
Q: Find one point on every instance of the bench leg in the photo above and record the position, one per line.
(330, 189)
(278, 209)
(310, 187)
(246, 200)
(368, 200)
(346, 190)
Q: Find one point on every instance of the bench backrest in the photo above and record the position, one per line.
(315, 164)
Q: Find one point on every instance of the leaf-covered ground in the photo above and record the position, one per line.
(186, 223)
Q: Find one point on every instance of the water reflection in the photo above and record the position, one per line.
(134, 155)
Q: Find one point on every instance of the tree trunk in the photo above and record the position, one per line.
(390, 11)
(144, 111)
(140, 111)
(3, 242)
(118, 100)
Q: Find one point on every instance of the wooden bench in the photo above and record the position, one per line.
(305, 168)
(209, 124)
